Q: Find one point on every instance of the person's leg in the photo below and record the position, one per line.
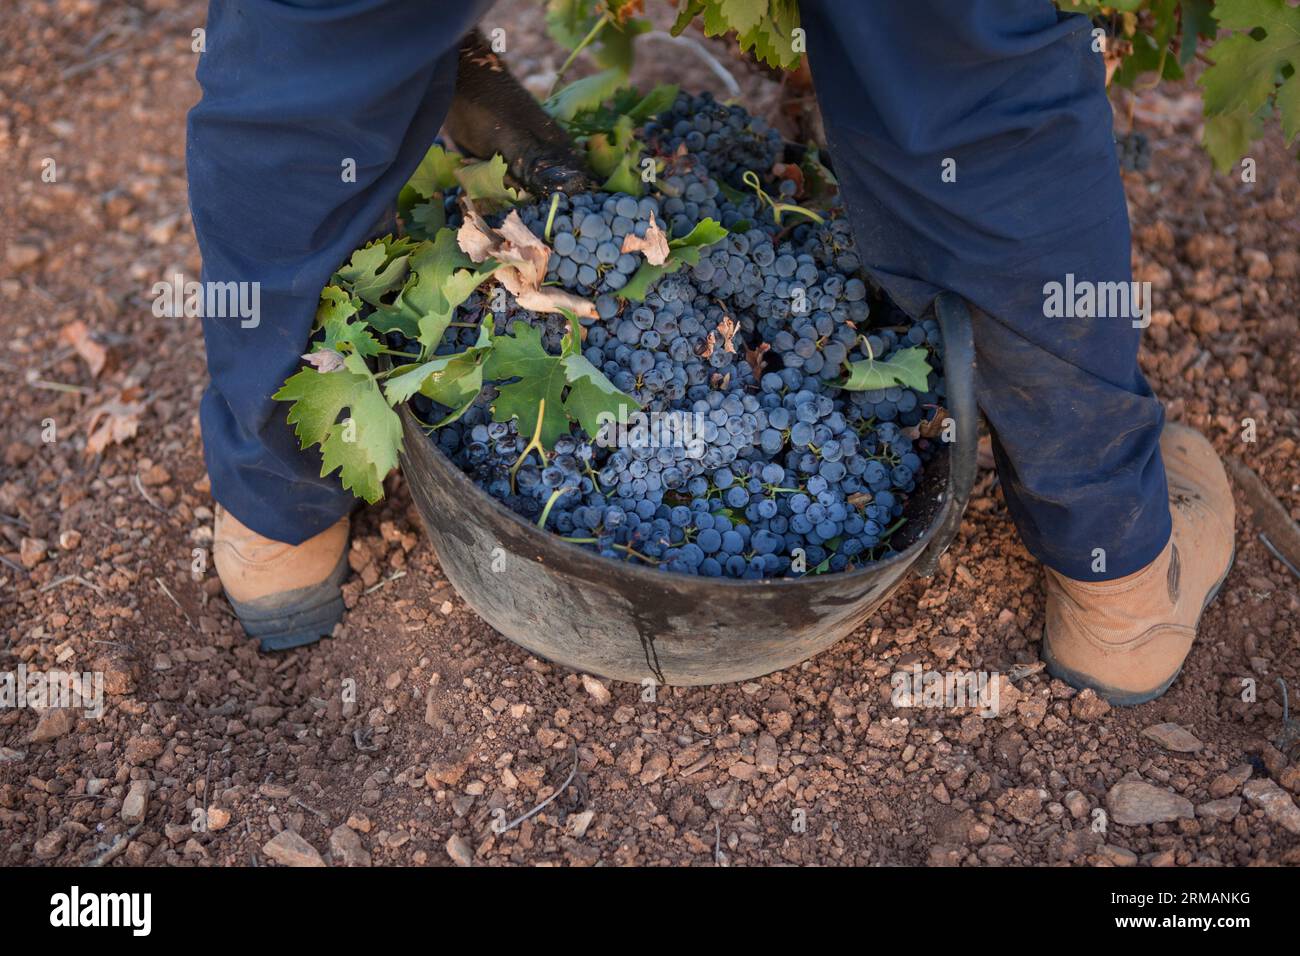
(294, 95)
(972, 139)
(973, 144)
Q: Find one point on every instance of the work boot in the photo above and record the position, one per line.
(1127, 639)
(285, 595)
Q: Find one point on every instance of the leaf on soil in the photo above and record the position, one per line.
(364, 446)
(77, 334)
(115, 421)
(654, 246)
(907, 367)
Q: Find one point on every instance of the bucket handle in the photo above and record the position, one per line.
(954, 320)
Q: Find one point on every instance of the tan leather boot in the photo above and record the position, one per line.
(285, 595)
(1127, 639)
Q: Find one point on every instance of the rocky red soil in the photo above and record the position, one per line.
(402, 739)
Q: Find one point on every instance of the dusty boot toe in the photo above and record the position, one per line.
(1127, 638)
(285, 595)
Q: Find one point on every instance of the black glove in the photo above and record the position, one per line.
(492, 113)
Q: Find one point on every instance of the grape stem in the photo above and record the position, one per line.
(550, 217)
(582, 45)
(546, 511)
(534, 444)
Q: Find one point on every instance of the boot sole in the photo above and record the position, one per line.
(298, 618)
(1113, 696)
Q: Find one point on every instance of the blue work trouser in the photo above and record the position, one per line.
(972, 140)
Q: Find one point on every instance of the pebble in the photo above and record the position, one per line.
(596, 690)
(141, 749)
(1023, 803)
(218, 818)
(1226, 784)
(578, 823)
(1223, 810)
(136, 804)
(1117, 855)
(53, 725)
(289, 849)
(459, 851)
(51, 844)
(1137, 803)
(31, 551)
(1088, 706)
(1173, 737)
(346, 848)
(1275, 802)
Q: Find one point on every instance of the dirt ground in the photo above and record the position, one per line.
(452, 726)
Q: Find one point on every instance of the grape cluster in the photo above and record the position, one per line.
(747, 460)
(727, 140)
(1134, 151)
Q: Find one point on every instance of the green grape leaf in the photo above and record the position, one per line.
(484, 182)
(442, 277)
(568, 21)
(450, 380)
(336, 303)
(371, 273)
(1249, 64)
(616, 47)
(364, 446)
(592, 395)
(435, 174)
(1197, 21)
(524, 399)
(343, 335)
(584, 94)
(908, 368)
(689, 11)
(426, 219)
(1228, 137)
(742, 15)
(653, 103)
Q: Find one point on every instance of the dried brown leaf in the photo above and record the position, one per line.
(325, 360)
(115, 421)
(757, 358)
(654, 245)
(77, 334)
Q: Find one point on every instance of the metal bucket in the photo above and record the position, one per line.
(616, 619)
